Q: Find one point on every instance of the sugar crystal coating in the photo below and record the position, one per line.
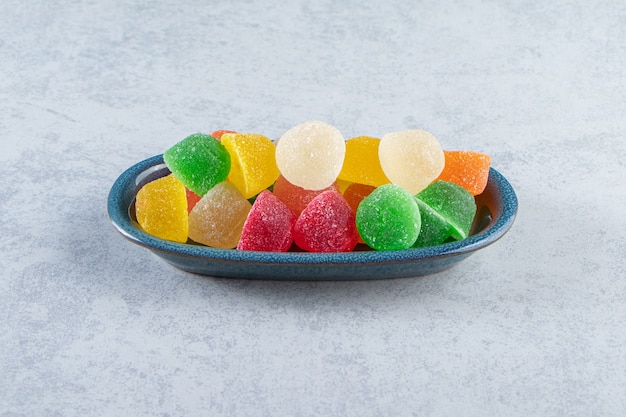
(253, 163)
(313, 189)
(468, 169)
(327, 224)
(388, 218)
(311, 155)
(161, 209)
(217, 219)
(297, 198)
(435, 229)
(199, 161)
(268, 226)
(411, 159)
(453, 203)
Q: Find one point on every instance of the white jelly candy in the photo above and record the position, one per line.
(311, 155)
(411, 159)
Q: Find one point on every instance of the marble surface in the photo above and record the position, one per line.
(92, 325)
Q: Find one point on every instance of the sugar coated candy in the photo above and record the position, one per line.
(361, 164)
(327, 224)
(192, 199)
(389, 218)
(199, 161)
(411, 159)
(218, 133)
(217, 219)
(355, 193)
(435, 229)
(453, 203)
(161, 209)
(297, 198)
(468, 169)
(313, 190)
(268, 226)
(253, 162)
(311, 155)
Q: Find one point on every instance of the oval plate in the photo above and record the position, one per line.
(497, 207)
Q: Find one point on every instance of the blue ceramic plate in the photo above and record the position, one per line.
(497, 207)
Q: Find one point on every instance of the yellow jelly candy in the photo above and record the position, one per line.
(342, 185)
(161, 208)
(361, 164)
(253, 162)
(218, 218)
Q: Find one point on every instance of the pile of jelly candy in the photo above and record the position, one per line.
(312, 190)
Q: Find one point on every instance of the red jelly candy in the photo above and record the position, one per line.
(218, 133)
(327, 224)
(192, 199)
(296, 198)
(268, 226)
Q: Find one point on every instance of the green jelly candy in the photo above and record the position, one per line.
(388, 218)
(435, 229)
(452, 203)
(199, 161)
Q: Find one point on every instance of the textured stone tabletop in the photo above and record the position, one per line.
(92, 325)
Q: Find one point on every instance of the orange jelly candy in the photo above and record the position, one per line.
(355, 193)
(468, 169)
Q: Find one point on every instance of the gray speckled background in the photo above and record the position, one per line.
(91, 324)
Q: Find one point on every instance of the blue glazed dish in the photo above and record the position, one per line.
(497, 207)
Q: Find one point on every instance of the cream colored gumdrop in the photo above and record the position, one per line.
(311, 155)
(217, 219)
(411, 158)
